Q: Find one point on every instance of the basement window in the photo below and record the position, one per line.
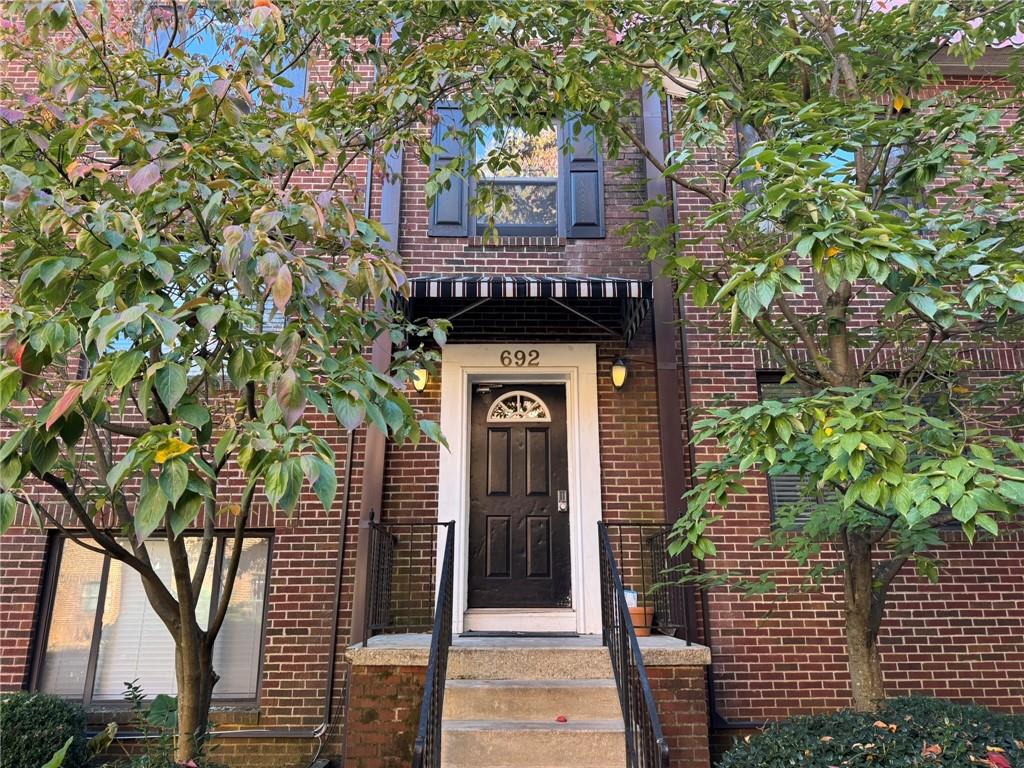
(98, 630)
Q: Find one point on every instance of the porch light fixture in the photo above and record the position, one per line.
(619, 373)
(420, 377)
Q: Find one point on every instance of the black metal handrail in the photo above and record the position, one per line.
(641, 551)
(645, 743)
(426, 749)
(400, 581)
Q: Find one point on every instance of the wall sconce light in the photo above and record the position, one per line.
(420, 377)
(619, 373)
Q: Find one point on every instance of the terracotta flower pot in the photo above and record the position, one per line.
(642, 618)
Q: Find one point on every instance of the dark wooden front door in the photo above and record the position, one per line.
(518, 529)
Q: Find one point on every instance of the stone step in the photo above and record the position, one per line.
(538, 700)
(533, 662)
(533, 744)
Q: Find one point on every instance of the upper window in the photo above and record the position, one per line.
(204, 36)
(99, 631)
(519, 180)
(544, 184)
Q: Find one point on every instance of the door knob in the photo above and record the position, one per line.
(563, 501)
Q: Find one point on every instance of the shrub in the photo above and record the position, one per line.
(914, 731)
(35, 725)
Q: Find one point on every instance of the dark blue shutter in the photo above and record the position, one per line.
(449, 215)
(582, 182)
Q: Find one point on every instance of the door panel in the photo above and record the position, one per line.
(518, 538)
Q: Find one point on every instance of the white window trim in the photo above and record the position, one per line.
(462, 365)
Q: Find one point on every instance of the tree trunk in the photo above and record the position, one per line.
(861, 625)
(194, 670)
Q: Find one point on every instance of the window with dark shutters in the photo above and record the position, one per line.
(530, 201)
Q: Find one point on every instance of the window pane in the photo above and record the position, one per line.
(525, 204)
(134, 643)
(535, 156)
(71, 621)
(236, 655)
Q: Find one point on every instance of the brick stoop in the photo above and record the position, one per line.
(503, 698)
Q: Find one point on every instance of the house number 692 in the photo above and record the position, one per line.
(519, 358)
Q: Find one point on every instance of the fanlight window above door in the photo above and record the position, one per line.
(518, 406)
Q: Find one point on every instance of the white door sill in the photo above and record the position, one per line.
(519, 620)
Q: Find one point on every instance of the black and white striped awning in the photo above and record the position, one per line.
(527, 286)
(577, 294)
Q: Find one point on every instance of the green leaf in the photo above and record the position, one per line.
(171, 384)
(150, 512)
(326, 484)
(748, 300)
(43, 453)
(433, 431)
(10, 383)
(125, 367)
(184, 513)
(117, 472)
(209, 315)
(239, 367)
(224, 444)
(924, 303)
(965, 508)
(58, 757)
(989, 524)
(174, 479)
(163, 712)
(8, 508)
(350, 415)
(1012, 491)
(803, 248)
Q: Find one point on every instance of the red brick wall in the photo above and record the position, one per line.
(384, 710)
(775, 657)
(681, 697)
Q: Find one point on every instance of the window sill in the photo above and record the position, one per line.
(506, 241)
(247, 714)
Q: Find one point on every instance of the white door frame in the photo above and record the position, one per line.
(462, 365)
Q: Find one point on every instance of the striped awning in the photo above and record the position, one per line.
(576, 294)
(527, 286)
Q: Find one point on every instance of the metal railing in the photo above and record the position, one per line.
(645, 565)
(645, 743)
(427, 747)
(400, 583)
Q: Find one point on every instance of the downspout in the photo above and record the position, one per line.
(670, 427)
(718, 721)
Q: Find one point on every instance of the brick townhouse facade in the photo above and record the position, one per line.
(542, 446)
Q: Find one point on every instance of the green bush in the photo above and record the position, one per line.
(35, 725)
(913, 731)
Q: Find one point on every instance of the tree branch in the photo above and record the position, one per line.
(228, 578)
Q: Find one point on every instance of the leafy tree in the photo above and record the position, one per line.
(866, 225)
(179, 306)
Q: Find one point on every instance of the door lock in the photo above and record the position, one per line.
(563, 501)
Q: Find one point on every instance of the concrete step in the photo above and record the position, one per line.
(531, 662)
(533, 744)
(539, 700)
